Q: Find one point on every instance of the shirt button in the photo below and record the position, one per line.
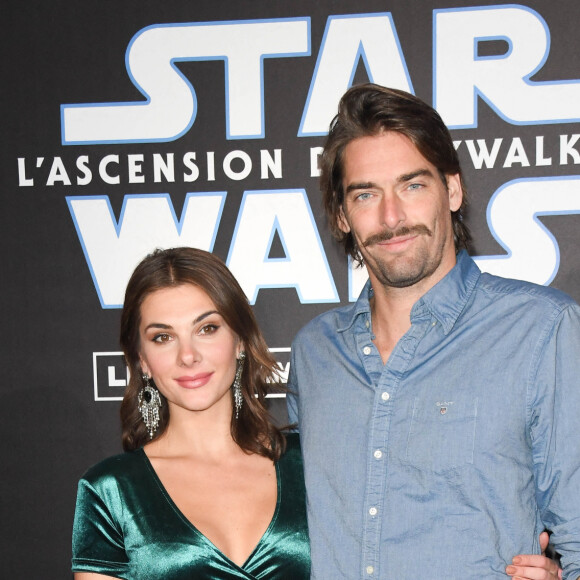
(370, 570)
(367, 323)
(378, 454)
(373, 511)
(367, 350)
(385, 396)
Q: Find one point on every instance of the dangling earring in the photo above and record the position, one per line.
(238, 399)
(149, 404)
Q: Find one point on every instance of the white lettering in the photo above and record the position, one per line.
(246, 161)
(347, 40)
(23, 181)
(482, 156)
(170, 108)
(540, 159)
(83, 167)
(286, 213)
(532, 251)
(516, 154)
(315, 153)
(271, 164)
(58, 173)
(103, 167)
(461, 75)
(147, 222)
(135, 168)
(163, 167)
(189, 162)
(567, 149)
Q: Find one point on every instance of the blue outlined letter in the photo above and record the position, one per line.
(170, 105)
(147, 222)
(347, 39)
(304, 267)
(461, 75)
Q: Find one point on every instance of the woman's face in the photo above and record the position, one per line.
(188, 349)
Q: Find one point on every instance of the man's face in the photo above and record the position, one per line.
(399, 211)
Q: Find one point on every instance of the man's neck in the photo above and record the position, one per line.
(391, 317)
(391, 310)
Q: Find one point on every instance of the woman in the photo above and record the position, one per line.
(209, 488)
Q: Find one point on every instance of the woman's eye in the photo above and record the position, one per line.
(162, 337)
(208, 329)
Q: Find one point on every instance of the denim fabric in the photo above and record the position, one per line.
(453, 456)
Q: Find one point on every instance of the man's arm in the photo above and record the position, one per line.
(532, 567)
(554, 400)
(292, 394)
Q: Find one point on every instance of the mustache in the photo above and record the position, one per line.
(387, 235)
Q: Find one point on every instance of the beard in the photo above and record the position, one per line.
(404, 270)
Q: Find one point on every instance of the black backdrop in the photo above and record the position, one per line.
(62, 375)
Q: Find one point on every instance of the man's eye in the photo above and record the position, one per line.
(415, 185)
(364, 195)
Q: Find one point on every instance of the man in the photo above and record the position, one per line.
(439, 413)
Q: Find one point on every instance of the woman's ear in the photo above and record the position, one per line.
(144, 367)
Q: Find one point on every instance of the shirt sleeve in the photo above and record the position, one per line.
(555, 428)
(292, 395)
(97, 543)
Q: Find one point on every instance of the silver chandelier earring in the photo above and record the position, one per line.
(238, 398)
(149, 404)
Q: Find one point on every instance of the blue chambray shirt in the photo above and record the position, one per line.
(453, 456)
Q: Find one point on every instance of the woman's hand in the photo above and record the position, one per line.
(531, 567)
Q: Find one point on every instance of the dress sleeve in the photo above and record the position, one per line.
(555, 427)
(97, 543)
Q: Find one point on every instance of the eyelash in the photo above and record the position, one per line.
(205, 330)
(213, 328)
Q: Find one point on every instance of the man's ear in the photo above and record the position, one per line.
(455, 191)
(341, 222)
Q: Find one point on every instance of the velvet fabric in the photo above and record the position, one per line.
(127, 526)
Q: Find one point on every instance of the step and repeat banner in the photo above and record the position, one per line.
(130, 125)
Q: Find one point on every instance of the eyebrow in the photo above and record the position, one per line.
(410, 176)
(200, 318)
(400, 179)
(357, 186)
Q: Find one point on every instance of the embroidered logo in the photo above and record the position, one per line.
(443, 406)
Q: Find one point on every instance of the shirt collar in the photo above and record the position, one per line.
(445, 301)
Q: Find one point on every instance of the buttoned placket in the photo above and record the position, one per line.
(386, 379)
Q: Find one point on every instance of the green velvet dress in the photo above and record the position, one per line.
(127, 526)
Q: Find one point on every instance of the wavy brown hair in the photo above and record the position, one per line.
(254, 430)
(368, 110)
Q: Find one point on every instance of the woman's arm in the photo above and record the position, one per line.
(530, 567)
(92, 576)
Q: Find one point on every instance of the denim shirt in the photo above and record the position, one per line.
(452, 457)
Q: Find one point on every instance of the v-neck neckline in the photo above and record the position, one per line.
(204, 538)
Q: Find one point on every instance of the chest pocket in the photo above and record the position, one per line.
(442, 434)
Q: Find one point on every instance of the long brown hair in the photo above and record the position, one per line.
(368, 110)
(254, 430)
